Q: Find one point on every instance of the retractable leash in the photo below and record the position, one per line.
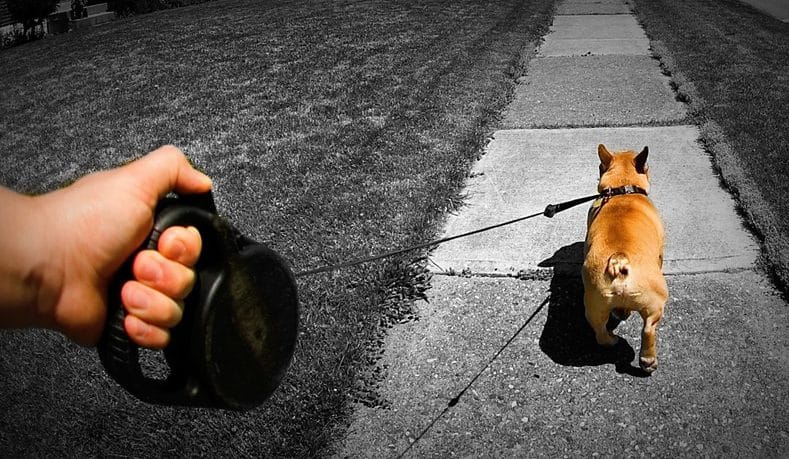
(550, 211)
(236, 339)
(238, 332)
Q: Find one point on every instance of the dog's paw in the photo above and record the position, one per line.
(648, 364)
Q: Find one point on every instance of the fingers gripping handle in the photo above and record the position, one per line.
(239, 328)
(118, 353)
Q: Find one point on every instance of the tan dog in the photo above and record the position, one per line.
(623, 266)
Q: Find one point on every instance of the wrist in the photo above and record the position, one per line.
(29, 272)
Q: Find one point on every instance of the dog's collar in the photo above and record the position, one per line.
(609, 193)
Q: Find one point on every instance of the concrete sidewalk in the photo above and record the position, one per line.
(779, 9)
(499, 365)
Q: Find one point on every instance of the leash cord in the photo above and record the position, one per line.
(550, 211)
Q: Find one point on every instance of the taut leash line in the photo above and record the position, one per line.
(550, 211)
(454, 401)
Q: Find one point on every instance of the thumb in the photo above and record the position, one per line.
(167, 169)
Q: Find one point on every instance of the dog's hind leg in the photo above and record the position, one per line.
(597, 316)
(648, 359)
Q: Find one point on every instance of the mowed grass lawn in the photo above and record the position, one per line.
(731, 63)
(332, 130)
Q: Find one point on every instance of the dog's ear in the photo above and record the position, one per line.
(641, 161)
(605, 158)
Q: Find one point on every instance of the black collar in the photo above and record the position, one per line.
(609, 193)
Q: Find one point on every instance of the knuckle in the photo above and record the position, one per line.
(181, 244)
(173, 315)
(182, 283)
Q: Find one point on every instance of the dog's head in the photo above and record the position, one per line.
(623, 168)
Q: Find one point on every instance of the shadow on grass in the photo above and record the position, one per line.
(567, 338)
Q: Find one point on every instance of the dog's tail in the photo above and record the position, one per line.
(618, 266)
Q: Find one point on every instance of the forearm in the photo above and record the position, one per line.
(24, 265)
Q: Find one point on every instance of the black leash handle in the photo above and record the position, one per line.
(238, 333)
(119, 354)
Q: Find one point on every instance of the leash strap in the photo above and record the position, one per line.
(550, 211)
(553, 209)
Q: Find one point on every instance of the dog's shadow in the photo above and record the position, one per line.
(567, 338)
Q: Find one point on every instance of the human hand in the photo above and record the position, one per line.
(79, 236)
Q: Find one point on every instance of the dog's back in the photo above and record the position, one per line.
(624, 252)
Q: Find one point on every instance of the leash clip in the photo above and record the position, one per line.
(553, 209)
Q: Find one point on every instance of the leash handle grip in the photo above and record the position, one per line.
(238, 332)
(118, 353)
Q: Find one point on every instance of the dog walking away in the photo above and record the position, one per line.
(623, 265)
